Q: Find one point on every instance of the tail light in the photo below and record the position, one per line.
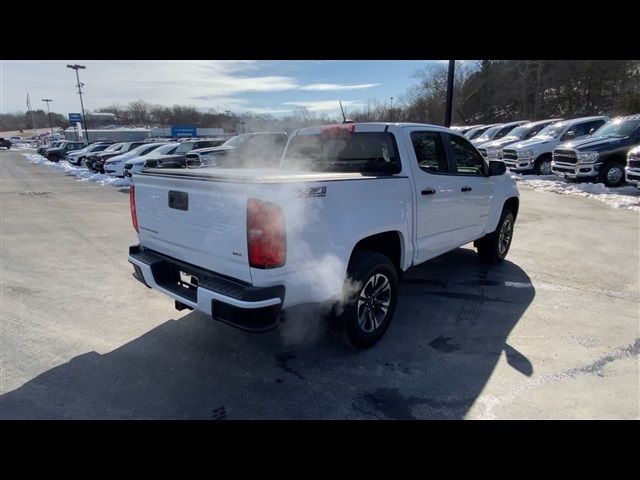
(132, 205)
(266, 237)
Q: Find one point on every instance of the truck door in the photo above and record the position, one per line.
(436, 195)
(474, 187)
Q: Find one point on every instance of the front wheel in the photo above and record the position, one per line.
(370, 294)
(612, 175)
(543, 166)
(493, 247)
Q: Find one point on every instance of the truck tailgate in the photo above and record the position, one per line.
(199, 222)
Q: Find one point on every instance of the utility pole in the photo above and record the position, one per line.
(48, 110)
(447, 112)
(77, 67)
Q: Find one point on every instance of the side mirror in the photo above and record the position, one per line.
(570, 135)
(497, 167)
(591, 131)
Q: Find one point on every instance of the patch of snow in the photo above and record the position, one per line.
(82, 173)
(625, 198)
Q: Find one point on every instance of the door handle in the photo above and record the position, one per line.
(465, 189)
(429, 191)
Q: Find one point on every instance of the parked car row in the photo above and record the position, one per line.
(125, 158)
(238, 151)
(593, 148)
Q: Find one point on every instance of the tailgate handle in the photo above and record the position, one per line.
(178, 200)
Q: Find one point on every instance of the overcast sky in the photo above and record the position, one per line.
(275, 87)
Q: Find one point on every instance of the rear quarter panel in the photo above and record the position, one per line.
(322, 229)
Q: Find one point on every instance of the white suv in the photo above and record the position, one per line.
(535, 154)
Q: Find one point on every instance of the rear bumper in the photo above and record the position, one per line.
(232, 301)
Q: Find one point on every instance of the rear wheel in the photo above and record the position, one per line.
(493, 247)
(371, 295)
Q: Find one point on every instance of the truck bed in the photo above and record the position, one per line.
(257, 175)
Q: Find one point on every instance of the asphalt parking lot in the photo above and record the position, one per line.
(551, 333)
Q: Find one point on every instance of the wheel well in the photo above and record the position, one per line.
(513, 204)
(622, 161)
(544, 156)
(387, 243)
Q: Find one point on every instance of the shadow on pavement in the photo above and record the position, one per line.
(453, 318)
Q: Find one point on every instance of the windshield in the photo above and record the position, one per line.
(143, 149)
(185, 147)
(489, 134)
(338, 152)
(552, 130)
(164, 149)
(236, 141)
(475, 133)
(617, 128)
(521, 132)
(115, 146)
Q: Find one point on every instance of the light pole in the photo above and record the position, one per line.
(449, 105)
(77, 67)
(48, 110)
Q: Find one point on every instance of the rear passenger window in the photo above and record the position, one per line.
(430, 152)
(468, 160)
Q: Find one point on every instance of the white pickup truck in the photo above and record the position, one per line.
(351, 207)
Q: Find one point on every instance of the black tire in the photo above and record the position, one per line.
(491, 248)
(363, 321)
(612, 174)
(543, 166)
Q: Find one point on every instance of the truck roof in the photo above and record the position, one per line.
(371, 127)
(635, 116)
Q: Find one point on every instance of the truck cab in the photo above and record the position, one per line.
(602, 156)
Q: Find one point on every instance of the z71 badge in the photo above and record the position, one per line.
(313, 192)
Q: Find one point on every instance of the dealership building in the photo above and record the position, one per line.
(137, 134)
